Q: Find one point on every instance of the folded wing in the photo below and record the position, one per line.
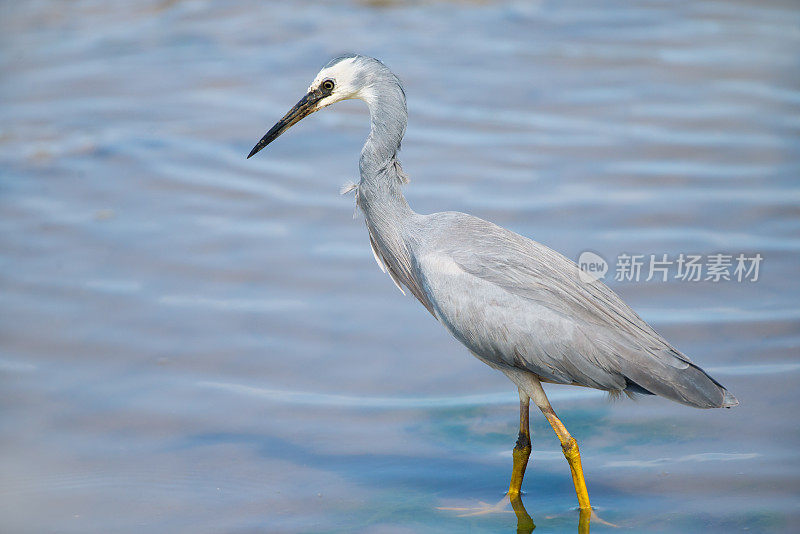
(515, 302)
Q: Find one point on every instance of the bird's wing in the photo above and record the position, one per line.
(399, 266)
(513, 301)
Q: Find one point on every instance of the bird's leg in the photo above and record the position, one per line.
(568, 443)
(573, 456)
(522, 450)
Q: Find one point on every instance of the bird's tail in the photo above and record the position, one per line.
(689, 385)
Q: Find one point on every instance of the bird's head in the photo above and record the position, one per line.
(342, 78)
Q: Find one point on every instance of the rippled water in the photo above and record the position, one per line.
(192, 341)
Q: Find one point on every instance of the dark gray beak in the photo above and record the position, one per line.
(305, 107)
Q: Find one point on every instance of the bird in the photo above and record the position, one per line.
(517, 305)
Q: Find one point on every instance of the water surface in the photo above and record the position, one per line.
(192, 341)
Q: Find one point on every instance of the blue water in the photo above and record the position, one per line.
(195, 342)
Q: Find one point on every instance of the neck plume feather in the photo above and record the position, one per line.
(388, 117)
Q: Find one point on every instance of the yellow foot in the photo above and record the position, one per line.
(524, 522)
(585, 519)
(591, 515)
(482, 508)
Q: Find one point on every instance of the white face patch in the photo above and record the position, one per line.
(345, 78)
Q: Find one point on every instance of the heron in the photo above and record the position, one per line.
(518, 306)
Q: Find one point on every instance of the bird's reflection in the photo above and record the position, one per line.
(525, 524)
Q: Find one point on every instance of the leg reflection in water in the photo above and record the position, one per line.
(525, 524)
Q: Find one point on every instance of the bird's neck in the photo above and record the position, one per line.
(390, 220)
(380, 190)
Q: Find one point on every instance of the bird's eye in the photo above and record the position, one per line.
(327, 85)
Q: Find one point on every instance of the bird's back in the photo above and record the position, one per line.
(516, 303)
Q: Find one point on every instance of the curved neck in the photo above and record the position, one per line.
(381, 174)
(390, 220)
(388, 117)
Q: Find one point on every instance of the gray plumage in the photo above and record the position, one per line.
(514, 303)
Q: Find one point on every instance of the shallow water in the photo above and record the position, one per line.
(192, 341)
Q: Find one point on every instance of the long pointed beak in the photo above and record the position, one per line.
(306, 106)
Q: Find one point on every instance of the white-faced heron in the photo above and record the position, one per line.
(518, 306)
